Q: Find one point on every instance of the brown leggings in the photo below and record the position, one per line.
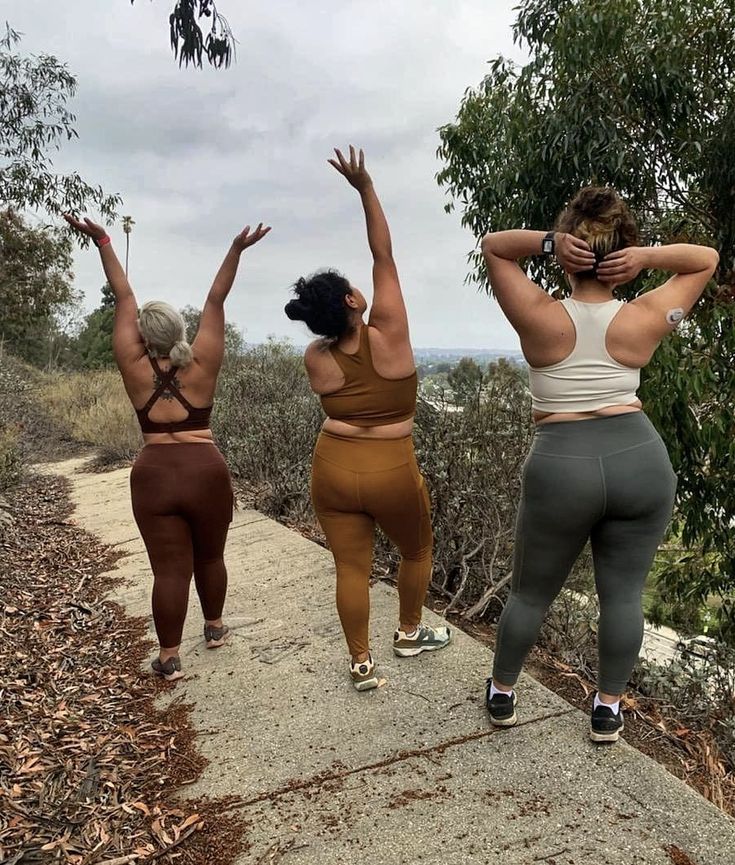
(355, 483)
(182, 502)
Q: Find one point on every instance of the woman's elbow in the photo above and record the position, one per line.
(714, 257)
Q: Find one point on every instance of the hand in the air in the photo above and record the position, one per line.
(245, 239)
(91, 229)
(573, 253)
(621, 266)
(353, 170)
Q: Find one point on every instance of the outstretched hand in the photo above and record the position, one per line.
(91, 229)
(573, 253)
(354, 170)
(245, 239)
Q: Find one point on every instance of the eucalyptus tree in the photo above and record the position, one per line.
(639, 94)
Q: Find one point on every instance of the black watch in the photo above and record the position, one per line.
(547, 244)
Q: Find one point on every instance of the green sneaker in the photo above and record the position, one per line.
(423, 639)
(363, 674)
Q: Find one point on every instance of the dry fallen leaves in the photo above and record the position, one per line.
(88, 767)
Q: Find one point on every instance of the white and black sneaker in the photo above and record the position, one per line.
(363, 674)
(501, 707)
(606, 725)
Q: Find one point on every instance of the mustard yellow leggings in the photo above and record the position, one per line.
(356, 483)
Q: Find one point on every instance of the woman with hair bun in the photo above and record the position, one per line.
(598, 469)
(364, 469)
(180, 485)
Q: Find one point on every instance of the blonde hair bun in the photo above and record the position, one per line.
(164, 332)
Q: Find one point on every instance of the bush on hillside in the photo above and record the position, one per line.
(94, 409)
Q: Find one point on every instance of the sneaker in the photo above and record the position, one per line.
(605, 725)
(363, 674)
(215, 637)
(423, 639)
(501, 707)
(170, 670)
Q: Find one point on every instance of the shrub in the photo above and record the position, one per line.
(266, 421)
(10, 457)
(94, 409)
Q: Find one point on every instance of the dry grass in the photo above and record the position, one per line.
(94, 409)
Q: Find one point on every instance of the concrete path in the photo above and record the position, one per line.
(410, 772)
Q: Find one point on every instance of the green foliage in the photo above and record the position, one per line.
(465, 379)
(266, 420)
(640, 95)
(35, 287)
(234, 340)
(701, 691)
(188, 41)
(93, 345)
(10, 457)
(34, 92)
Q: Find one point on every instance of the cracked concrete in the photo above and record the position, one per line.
(411, 770)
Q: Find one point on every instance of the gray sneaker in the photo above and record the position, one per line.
(363, 674)
(170, 670)
(215, 637)
(423, 639)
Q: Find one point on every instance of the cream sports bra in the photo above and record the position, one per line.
(588, 379)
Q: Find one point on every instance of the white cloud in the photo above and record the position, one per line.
(196, 154)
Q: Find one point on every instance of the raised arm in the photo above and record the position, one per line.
(666, 305)
(388, 310)
(209, 343)
(127, 343)
(521, 299)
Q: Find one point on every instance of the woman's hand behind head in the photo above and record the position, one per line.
(622, 266)
(573, 253)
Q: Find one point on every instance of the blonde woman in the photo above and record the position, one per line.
(598, 469)
(180, 485)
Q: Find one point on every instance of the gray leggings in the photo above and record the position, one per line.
(608, 480)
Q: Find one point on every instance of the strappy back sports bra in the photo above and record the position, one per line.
(366, 398)
(198, 418)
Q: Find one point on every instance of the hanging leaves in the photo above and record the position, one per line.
(188, 41)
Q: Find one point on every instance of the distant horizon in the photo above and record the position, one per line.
(515, 352)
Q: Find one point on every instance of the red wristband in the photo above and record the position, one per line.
(103, 241)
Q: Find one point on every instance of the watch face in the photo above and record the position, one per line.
(548, 246)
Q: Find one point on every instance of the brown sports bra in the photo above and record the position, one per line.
(198, 418)
(366, 398)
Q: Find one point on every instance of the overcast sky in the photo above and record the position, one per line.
(197, 154)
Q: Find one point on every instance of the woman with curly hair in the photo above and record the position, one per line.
(598, 470)
(364, 469)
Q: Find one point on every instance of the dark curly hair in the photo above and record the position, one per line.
(320, 302)
(599, 215)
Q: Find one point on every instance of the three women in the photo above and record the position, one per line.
(597, 471)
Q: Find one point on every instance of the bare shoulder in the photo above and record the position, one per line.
(316, 352)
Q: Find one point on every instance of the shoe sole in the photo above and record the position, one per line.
(215, 644)
(366, 685)
(170, 677)
(411, 653)
(504, 722)
(605, 737)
